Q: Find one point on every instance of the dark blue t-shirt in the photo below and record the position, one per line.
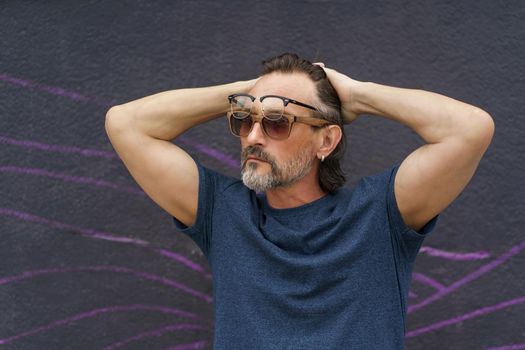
(330, 274)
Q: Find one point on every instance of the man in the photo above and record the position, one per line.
(300, 262)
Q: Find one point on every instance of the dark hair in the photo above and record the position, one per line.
(331, 176)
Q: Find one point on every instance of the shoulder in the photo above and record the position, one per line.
(379, 182)
(219, 182)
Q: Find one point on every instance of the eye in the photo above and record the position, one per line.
(274, 116)
(280, 122)
(240, 115)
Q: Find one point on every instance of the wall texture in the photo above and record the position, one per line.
(87, 261)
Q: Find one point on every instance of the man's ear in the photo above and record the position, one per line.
(330, 137)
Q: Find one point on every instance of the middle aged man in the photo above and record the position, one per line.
(298, 261)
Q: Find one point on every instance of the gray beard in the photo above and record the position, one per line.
(278, 177)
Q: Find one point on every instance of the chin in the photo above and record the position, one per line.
(256, 167)
(257, 180)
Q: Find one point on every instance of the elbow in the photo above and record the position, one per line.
(480, 130)
(110, 114)
(487, 125)
(114, 117)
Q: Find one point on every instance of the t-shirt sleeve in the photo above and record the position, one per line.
(409, 238)
(200, 232)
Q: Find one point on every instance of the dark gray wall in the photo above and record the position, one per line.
(87, 261)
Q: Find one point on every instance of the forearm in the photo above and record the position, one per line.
(432, 116)
(168, 114)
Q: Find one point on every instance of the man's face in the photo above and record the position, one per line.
(280, 163)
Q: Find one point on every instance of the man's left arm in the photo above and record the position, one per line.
(456, 134)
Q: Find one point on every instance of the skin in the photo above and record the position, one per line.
(457, 135)
(302, 136)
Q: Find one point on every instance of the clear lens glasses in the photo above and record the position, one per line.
(274, 124)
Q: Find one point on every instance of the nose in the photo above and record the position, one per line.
(256, 135)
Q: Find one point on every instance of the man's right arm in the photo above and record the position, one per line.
(141, 132)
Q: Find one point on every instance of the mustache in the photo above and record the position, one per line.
(256, 152)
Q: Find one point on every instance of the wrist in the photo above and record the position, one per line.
(360, 97)
(240, 86)
(246, 85)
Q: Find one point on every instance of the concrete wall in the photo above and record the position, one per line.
(88, 261)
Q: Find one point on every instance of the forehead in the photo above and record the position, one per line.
(296, 86)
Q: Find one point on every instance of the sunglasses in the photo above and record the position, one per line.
(275, 124)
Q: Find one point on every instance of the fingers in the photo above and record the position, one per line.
(327, 70)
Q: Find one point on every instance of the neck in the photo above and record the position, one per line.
(302, 192)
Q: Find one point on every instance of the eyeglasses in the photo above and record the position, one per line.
(274, 122)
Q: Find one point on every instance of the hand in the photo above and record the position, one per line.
(247, 85)
(346, 88)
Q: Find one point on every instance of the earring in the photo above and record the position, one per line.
(322, 158)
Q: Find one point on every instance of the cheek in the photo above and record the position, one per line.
(300, 146)
(243, 142)
(301, 137)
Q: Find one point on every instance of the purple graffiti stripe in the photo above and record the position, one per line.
(189, 346)
(185, 261)
(509, 347)
(63, 226)
(454, 256)
(205, 149)
(107, 268)
(469, 277)
(98, 311)
(209, 151)
(467, 316)
(212, 152)
(54, 90)
(70, 178)
(427, 280)
(103, 235)
(58, 148)
(156, 333)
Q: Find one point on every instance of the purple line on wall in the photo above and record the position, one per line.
(509, 347)
(209, 151)
(63, 226)
(467, 316)
(427, 280)
(96, 312)
(469, 277)
(56, 90)
(103, 235)
(58, 148)
(71, 178)
(454, 256)
(189, 346)
(108, 268)
(155, 333)
(212, 152)
(185, 261)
